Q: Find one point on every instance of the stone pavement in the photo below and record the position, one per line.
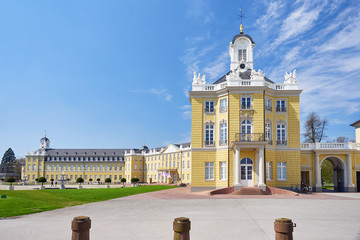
(150, 216)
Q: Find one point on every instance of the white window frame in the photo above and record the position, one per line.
(268, 171)
(248, 102)
(209, 171)
(223, 171)
(268, 132)
(268, 104)
(281, 105)
(223, 133)
(209, 135)
(242, 55)
(209, 106)
(223, 105)
(282, 171)
(281, 139)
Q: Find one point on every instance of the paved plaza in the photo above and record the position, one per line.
(150, 216)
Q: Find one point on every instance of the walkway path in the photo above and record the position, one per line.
(150, 216)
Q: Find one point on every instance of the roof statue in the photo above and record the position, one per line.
(197, 79)
(290, 78)
(257, 75)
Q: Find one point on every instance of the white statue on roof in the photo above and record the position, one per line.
(197, 79)
(290, 78)
(257, 75)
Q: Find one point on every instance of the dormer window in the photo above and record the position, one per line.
(242, 55)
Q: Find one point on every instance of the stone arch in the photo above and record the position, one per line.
(340, 173)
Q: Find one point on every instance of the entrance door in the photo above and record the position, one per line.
(305, 177)
(358, 181)
(246, 166)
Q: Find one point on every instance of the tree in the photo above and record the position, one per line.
(314, 128)
(80, 180)
(41, 180)
(108, 180)
(98, 180)
(90, 180)
(123, 180)
(8, 160)
(10, 180)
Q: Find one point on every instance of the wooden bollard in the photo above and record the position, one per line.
(181, 228)
(284, 228)
(80, 227)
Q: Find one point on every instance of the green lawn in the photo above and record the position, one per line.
(32, 201)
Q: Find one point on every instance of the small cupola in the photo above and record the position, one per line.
(44, 143)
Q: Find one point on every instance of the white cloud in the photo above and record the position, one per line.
(273, 9)
(192, 59)
(160, 92)
(186, 113)
(298, 21)
(218, 67)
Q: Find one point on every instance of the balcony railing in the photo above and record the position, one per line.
(209, 110)
(314, 146)
(270, 142)
(281, 142)
(281, 109)
(249, 137)
(209, 143)
(246, 107)
(222, 142)
(223, 109)
(268, 108)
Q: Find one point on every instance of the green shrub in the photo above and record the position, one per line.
(108, 180)
(123, 180)
(41, 180)
(80, 180)
(134, 180)
(10, 180)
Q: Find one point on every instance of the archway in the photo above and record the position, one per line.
(333, 174)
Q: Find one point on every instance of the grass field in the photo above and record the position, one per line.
(31, 201)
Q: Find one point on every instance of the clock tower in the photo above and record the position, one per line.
(241, 52)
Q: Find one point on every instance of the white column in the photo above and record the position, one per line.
(318, 185)
(256, 167)
(261, 170)
(237, 173)
(351, 186)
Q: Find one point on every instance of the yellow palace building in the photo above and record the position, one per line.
(245, 132)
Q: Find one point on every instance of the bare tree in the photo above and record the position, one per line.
(342, 139)
(314, 128)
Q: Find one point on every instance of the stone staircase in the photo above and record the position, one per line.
(252, 191)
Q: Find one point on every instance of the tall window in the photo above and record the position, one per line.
(188, 164)
(242, 54)
(209, 106)
(268, 170)
(268, 104)
(209, 135)
(268, 132)
(209, 171)
(223, 133)
(223, 105)
(222, 170)
(281, 106)
(246, 130)
(246, 103)
(281, 170)
(281, 134)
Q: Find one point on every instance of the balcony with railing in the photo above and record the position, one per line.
(209, 143)
(246, 107)
(281, 142)
(249, 137)
(268, 108)
(281, 109)
(223, 142)
(329, 146)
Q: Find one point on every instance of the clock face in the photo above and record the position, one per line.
(242, 66)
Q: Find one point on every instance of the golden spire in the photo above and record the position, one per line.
(241, 17)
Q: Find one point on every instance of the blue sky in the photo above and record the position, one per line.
(115, 74)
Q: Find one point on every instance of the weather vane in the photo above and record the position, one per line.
(241, 15)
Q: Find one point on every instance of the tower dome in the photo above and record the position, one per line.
(44, 143)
